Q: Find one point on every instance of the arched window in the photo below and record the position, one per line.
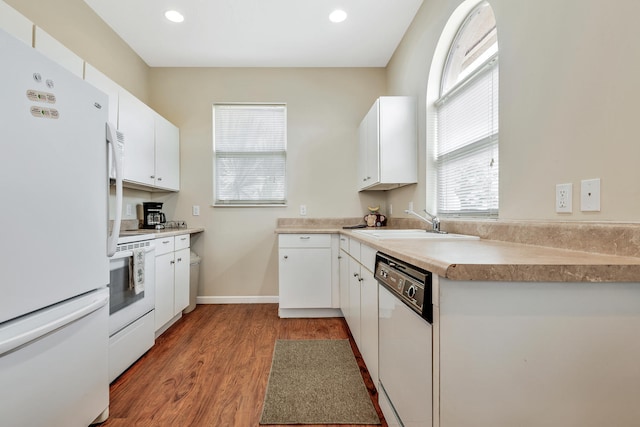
(466, 137)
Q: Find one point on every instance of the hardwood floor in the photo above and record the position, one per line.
(211, 368)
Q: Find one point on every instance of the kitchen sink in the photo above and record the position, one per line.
(412, 234)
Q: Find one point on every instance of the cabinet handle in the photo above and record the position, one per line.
(164, 242)
(286, 257)
(152, 176)
(355, 274)
(305, 237)
(179, 259)
(159, 179)
(339, 257)
(172, 262)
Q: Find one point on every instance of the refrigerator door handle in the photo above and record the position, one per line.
(115, 139)
(12, 342)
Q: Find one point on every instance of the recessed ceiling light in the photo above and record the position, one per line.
(174, 16)
(338, 15)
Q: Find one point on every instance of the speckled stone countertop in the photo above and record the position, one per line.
(491, 259)
(166, 232)
(129, 227)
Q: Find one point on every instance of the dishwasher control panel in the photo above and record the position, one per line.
(411, 284)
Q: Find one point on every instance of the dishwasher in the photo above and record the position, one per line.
(405, 319)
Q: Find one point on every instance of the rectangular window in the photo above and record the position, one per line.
(466, 154)
(250, 151)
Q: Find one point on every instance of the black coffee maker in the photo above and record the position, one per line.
(153, 216)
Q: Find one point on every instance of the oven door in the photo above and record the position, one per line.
(125, 305)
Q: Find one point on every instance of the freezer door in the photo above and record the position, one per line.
(53, 364)
(53, 182)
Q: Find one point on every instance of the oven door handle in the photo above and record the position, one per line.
(129, 253)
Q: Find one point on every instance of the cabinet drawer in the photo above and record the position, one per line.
(182, 242)
(368, 257)
(344, 243)
(354, 249)
(165, 245)
(305, 240)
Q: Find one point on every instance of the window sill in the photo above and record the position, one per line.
(250, 205)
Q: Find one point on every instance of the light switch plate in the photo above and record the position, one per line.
(195, 210)
(590, 195)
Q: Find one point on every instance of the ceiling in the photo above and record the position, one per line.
(260, 33)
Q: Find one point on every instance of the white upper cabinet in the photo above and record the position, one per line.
(58, 52)
(167, 154)
(388, 150)
(14, 23)
(108, 86)
(137, 121)
(152, 143)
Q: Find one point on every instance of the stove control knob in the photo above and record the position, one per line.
(411, 292)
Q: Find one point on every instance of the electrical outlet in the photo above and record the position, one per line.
(564, 197)
(390, 209)
(590, 195)
(195, 210)
(303, 210)
(411, 206)
(129, 210)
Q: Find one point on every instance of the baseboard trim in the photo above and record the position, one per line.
(309, 312)
(238, 300)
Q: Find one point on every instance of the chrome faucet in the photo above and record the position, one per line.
(433, 220)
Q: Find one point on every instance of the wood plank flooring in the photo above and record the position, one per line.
(211, 368)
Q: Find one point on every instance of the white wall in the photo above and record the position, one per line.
(569, 87)
(324, 109)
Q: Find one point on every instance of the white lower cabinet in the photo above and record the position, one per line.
(361, 309)
(343, 260)
(172, 280)
(306, 275)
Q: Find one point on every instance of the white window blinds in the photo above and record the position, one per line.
(465, 154)
(250, 154)
(467, 146)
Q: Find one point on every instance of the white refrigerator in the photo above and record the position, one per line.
(54, 268)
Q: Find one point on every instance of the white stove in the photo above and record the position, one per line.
(132, 301)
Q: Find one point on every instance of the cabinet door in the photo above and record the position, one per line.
(164, 289)
(167, 154)
(397, 140)
(181, 283)
(369, 322)
(58, 52)
(344, 282)
(108, 86)
(14, 23)
(368, 153)
(372, 145)
(353, 320)
(305, 277)
(362, 154)
(136, 121)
